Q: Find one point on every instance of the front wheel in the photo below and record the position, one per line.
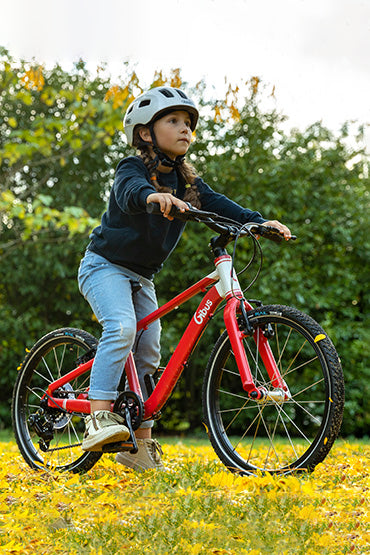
(275, 435)
(47, 437)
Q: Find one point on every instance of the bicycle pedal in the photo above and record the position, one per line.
(119, 446)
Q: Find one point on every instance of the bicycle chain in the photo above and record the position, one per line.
(60, 448)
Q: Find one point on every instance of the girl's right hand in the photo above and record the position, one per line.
(166, 201)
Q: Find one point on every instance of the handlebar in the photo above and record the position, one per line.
(220, 224)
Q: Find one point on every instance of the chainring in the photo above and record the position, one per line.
(131, 401)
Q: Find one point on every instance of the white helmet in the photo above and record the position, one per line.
(151, 105)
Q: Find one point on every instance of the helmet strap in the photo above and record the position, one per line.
(161, 157)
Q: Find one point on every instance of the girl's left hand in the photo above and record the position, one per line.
(284, 230)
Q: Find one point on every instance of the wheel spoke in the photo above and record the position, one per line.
(230, 372)
(43, 377)
(246, 431)
(308, 387)
(231, 394)
(313, 418)
(295, 426)
(59, 363)
(34, 392)
(288, 435)
(299, 367)
(249, 408)
(49, 371)
(283, 349)
(271, 437)
(295, 358)
(258, 373)
(237, 414)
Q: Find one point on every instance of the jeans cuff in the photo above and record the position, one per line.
(146, 424)
(98, 395)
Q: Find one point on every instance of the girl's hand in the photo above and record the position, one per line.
(284, 230)
(166, 201)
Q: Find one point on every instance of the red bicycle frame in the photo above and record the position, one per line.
(223, 287)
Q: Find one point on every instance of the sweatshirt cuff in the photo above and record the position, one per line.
(255, 217)
(143, 195)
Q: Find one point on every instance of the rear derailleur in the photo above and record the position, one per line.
(43, 428)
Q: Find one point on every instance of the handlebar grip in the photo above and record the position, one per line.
(153, 208)
(272, 233)
(175, 212)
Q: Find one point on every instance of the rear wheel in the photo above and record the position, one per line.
(275, 434)
(48, 437)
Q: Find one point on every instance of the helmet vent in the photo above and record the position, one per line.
(183, 95)
(144, 103)
(166, 93)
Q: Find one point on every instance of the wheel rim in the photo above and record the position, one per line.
(48, 363)
(271, 436)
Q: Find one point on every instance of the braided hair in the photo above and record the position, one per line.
(184, 170)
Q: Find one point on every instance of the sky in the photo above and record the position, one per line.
(316, 53)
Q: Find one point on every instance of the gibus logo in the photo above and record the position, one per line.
(202, 312)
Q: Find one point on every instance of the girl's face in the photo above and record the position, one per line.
(173, 133)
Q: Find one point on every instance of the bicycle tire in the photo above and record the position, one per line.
(251, 437)
(51, 357)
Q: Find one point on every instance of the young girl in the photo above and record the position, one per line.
(130, 246)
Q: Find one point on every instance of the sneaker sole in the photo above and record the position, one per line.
(129, 463)
(96, 443)
(124, 459)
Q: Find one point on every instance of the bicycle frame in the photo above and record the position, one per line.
(223, 287)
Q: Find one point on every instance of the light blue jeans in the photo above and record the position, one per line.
(107, 289)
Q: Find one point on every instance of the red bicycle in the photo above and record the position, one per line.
(273, 391)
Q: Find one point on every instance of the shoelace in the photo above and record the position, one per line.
(156, 450)
(106, 415)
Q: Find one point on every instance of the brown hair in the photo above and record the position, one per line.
(185, 171)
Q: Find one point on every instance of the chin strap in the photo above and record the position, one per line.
(161, 157)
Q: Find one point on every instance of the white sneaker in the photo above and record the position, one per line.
(103, 426)
(148, 456)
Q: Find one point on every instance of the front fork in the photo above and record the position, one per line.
(279, 392)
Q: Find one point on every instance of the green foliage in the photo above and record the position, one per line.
(60, 140)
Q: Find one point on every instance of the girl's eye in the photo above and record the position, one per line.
(175, 120)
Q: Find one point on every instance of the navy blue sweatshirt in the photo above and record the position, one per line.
(141, 242)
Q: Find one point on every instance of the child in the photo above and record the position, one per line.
(131, 245)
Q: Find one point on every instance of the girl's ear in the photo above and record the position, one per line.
(145, 134)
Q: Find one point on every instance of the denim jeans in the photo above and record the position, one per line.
(107, 288)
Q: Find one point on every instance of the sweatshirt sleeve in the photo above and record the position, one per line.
(216, 202)
(132, 185)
